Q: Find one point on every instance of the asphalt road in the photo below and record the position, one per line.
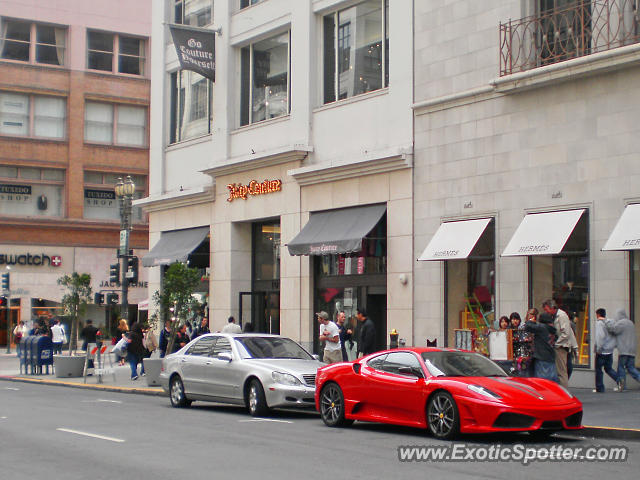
(49, 432)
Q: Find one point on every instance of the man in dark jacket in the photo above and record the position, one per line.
(135, 350)
(367, 337)
(89, 335)
(163, 341)
(544, 361)
(345, 334)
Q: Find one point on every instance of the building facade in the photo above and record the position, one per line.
(74, 117)
(526, 151)
(288, 180)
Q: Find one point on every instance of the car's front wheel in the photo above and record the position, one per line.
(176, 393)
(332, 406)
(256, 400)
(442, 416)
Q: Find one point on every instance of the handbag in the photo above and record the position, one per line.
(120, 347)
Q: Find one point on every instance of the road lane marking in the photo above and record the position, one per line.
(92, 435)
(12, 388)
(265, 420)
(3, 418)
(101, 400)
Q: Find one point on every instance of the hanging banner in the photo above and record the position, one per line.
(195, 49)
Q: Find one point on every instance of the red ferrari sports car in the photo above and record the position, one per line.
(449, 391)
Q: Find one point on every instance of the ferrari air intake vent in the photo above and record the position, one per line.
(513, 420)
(574, 420)
(551, 425)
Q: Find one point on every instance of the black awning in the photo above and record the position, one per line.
(336, 231)
(175, 246)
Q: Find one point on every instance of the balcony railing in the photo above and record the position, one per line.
(560, 34)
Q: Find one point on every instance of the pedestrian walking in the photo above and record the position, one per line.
(625, 332)
(329, 334)
(345, 334)
(231, 326)
(135, 350)
(603, 348)
(544, 355)
(565, 340)
(163, 341)
(367, 334)
(19, 332)
(57, 336)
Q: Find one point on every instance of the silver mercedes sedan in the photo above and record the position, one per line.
(259, 371)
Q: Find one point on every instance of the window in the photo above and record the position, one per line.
(32, 115)
(110, 52)
(356, 50)
(197, 13)
(100, 202)
(191, 106)
(248, 3)
(222, 345)
(565, 30)
(104, 122)
(202, 347)
(31, 192)
(396, 360)
(265, 80)
(32, 42)
(565, 278)
(377, 362)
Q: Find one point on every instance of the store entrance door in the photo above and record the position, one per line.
(377, 311)
(261, 309)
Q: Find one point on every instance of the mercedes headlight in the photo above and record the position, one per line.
(483, 391)
(285, 378)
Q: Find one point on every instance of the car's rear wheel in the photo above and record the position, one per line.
(443, 418)
(176, 393)
(256, 401)
(332, 406)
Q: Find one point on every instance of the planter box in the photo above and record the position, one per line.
(152, 368)
(66, 366)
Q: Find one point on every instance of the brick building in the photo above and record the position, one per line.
(74, 115)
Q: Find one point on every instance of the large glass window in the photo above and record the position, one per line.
(470, 287)
(565, 279)
(265, 80)
(356, 50)
(197, 13)
(110, 52)
(32, 42)
(104, 122)
(31, 192)
(191, 106)
(100, 202)
(32, 115)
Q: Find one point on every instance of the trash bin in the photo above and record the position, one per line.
(44, 354)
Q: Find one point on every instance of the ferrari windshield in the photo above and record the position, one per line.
(270, 347)
(461, 364)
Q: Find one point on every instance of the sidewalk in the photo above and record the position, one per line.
(606, 415)
(10, 370)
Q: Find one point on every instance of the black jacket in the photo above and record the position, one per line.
(135, 346)
(89, 333)
(542, 349)
(344, 336)
(367, 338)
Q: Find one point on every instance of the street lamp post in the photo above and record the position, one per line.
(124, 192)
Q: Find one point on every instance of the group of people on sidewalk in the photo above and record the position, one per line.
(49, 326)
(336, 334)
(619, 333)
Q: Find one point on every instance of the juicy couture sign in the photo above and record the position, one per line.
(237, 190)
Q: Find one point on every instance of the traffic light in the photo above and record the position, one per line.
(3, 302)
(132, 269)
(5, 281)
(114, 273)
(98, 298)
(112, 298)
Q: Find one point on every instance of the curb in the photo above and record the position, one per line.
(107, 388)
(611, 433)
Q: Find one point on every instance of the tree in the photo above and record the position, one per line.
(175, 301)
(75, 300)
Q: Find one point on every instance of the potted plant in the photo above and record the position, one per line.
(174, 302)
(74, 302)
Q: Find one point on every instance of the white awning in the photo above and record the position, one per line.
(455, 240)
(543, 233)
(626, 234)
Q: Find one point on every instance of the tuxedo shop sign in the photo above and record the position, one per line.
(15, 193)
(195, 48)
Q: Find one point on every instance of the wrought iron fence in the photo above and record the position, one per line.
(558, 34)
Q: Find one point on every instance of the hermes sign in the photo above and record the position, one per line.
(237, 190)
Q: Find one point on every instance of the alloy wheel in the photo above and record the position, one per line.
(442, 416)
